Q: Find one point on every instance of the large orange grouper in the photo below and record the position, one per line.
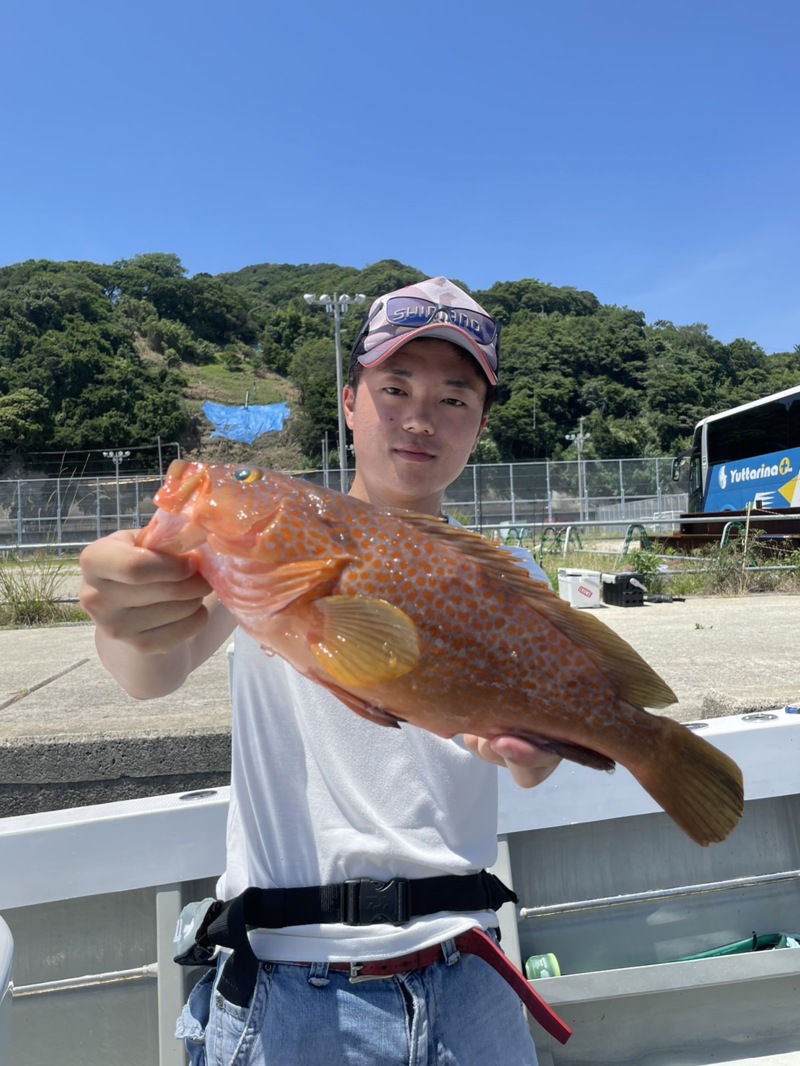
(406, 618)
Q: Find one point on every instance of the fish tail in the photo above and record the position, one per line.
(698, 785)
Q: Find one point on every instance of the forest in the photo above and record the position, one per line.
(122, 355)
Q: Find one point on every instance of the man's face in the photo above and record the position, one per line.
(415, 419)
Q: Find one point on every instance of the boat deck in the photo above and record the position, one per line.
(606, 881)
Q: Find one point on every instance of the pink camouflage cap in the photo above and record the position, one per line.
(431, 308)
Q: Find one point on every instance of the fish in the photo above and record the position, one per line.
(406, 618)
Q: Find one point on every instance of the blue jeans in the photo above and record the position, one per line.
(458, 1012)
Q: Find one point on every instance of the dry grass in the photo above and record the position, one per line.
(31, 592)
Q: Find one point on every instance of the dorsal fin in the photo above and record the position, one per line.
(499, 562)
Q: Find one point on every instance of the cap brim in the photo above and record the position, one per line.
(439, 330)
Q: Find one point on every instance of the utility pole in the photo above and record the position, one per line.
(580, 438)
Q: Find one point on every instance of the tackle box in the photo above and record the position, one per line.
(623, 590)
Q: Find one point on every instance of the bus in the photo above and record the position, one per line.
(748, 456)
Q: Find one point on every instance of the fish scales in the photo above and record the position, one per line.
(405, 618)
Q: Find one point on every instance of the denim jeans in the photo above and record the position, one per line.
(458, 1012)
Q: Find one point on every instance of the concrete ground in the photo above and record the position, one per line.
(69, 735)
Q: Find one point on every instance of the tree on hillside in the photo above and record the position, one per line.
(91, 355)
(24, 419)
(313, 371)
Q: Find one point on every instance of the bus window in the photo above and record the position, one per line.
(770, 427)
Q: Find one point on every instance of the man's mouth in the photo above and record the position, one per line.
(414, 455)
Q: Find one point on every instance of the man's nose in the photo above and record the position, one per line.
(420, 419)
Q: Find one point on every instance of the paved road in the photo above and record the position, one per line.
(69, 735)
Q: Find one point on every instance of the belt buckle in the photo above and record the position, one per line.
(365, 902)
(356, 978)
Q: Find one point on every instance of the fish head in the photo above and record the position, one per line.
(222, 504)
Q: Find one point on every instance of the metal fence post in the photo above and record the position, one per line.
(658, 485)
(59, 529)
(19, 512)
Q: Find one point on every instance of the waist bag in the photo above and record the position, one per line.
(204, 926)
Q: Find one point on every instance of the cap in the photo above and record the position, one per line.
(431, 308)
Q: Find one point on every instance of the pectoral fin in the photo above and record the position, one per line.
(364, 641)
(281, 588)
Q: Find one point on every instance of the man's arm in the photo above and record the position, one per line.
(156, 618)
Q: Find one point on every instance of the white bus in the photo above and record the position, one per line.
(748, 455)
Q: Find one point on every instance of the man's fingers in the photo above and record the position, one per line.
(117, 558)
(171, 631)
(528, 765)
(145, 593)
(482, 747)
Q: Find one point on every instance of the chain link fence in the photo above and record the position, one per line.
(520, 499)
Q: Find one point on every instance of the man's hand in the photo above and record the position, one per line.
(156, 618)
(150, 601)
(527, 764)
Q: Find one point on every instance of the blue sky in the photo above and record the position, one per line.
(646, 151)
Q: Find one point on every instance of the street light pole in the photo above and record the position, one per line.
(337, 305)
(579, 439)
(117, 457)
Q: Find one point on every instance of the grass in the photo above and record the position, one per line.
(730, 571)
(30, 593)
(213, 381)
(31, 589)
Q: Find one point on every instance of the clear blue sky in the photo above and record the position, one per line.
(647, 151)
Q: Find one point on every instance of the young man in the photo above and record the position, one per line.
(325, 806)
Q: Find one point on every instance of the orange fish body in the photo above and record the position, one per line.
(404, 617)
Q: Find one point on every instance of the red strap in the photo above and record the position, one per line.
(478, 943)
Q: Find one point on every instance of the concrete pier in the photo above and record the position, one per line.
(70, 736)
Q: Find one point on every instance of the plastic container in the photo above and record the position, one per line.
(580, 587)
(623, 590)
(538, 966)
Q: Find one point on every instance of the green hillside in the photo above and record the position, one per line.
(94, 356)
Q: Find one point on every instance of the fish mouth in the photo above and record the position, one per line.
(183, 482)
(170, 533)
(173, 528)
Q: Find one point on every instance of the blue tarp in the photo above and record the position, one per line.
(245, 424)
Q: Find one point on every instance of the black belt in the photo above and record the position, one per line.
(365, 902)
(357, 902)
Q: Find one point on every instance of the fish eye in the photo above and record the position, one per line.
(247, 474)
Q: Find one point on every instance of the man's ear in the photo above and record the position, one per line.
(348, 403)
(484, 420)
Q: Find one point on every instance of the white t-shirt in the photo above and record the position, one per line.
(319, 796)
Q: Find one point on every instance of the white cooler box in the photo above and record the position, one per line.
(581, 587)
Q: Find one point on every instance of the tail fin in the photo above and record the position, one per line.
(698, 786)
